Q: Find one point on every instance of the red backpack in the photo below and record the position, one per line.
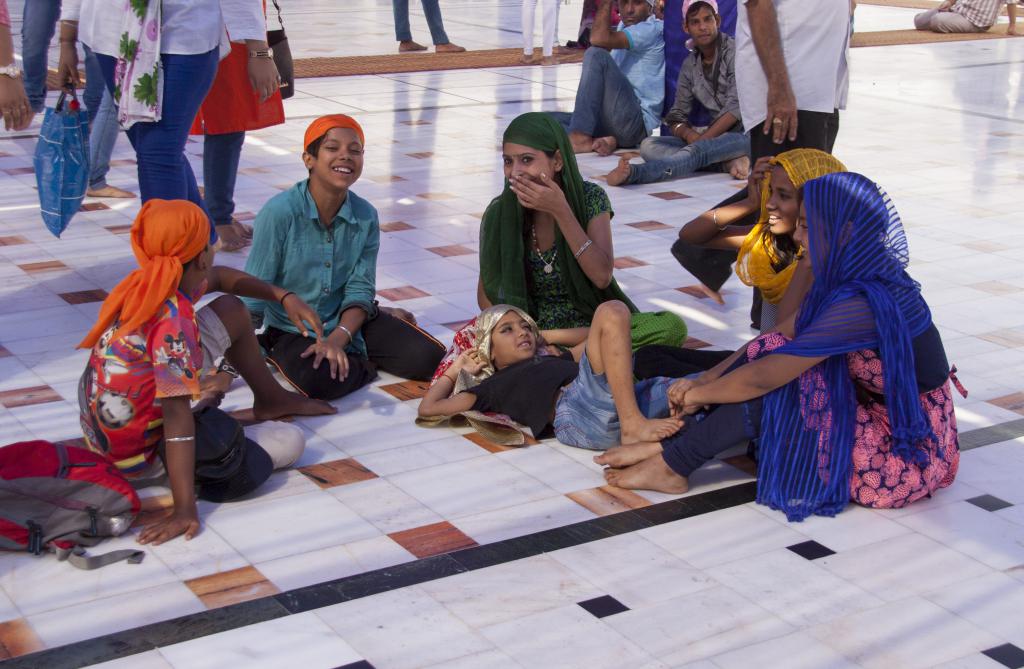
(62, 498)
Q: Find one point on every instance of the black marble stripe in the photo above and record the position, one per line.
(165, 633)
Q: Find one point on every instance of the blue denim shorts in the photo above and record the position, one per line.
(585, 415)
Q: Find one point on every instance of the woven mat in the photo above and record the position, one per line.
(893, 37)
(424, 62)
(906, 4)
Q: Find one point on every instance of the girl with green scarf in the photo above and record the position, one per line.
(546, 241)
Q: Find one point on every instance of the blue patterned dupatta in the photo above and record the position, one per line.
(862, 298)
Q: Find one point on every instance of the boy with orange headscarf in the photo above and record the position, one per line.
(320, 240)
(150, 347)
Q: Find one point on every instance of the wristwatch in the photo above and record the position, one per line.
(262, 53)
(12, 71)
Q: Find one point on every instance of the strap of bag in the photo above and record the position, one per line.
(76, 557)
(278, 8)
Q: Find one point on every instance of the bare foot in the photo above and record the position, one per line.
(650, 474)
(244, 230)
(109, 191)
(713, 294)
(230, 239)
(629, 155)
(605, 146)
(290, 404)
(408, 45)
(649, 429)
(527, 60)
(620, 174)
(581, 143)
(624, 456)
(739, 168)
(212, 388)
(449, 48)
(549, 60)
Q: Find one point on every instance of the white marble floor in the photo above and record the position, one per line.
(940, 126)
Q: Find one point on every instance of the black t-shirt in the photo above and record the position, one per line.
(526, 391)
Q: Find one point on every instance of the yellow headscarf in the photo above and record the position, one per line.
(757, 256)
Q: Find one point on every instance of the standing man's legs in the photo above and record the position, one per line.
(39, 22)
(815, 130)
(527, 26)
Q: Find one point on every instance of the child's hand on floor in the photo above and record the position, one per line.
(179, 522)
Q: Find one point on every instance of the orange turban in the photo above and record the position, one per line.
(319, 128)
(165, 235)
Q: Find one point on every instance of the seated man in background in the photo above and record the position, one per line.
(966, 16)
(618, 102)
(708, 75)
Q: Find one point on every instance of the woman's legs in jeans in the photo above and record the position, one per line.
(103, 128)
(221, 154)
(164, 171)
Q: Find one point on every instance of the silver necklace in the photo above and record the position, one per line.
(549, 265)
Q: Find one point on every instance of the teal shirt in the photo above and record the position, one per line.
(331, 268)
(643, 63)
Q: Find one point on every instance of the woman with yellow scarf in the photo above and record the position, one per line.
(767, 257)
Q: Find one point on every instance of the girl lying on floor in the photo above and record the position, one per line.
(856, 405)
(586, 394)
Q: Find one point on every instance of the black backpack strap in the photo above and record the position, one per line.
(76, 557)
(279, 19)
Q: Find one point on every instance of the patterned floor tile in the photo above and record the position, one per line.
(337, 472)
(402, 293)
(432, 539)
(231, 587)
(407, 390)
(23, 397)
(606, 500)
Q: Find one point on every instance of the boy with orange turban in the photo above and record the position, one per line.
(148, 355)
(320, 240)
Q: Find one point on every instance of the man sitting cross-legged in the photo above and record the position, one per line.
(618, 102)
(966, 16)
(708, 76)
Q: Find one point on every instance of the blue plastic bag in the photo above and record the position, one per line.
(62, 162)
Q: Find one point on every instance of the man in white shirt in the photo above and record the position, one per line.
(791, 72)
(966, 16)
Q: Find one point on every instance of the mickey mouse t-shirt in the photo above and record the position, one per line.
(125, 378)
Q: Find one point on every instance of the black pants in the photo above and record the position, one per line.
(814, 130)
(392, 345)
(674, 362)
(721, 428)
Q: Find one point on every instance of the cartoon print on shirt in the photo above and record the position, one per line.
(173, 355)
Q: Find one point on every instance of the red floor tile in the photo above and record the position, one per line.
(12, 240)
(396, 226)
(607, 500)
(17, 638)
(433, 539)
(337, 472)
(451, 250)
(671, 195)
(648, 226)
(1014, 402)
(43, 266)
(407, 390)
(693, 291)
(402, 293)
(626, 262)
(23, 397)
(84, 296)
(231, 587)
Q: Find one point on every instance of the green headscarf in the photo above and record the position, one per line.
(502, 249)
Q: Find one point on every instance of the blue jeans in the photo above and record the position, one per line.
(605, 102)
(220, 168)
(103, 126)
(586, 417)
(432, 11)
(39, 21)
(164, 171)
(670, 157)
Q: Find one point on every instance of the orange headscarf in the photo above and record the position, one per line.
(165, 235)
(322, 125)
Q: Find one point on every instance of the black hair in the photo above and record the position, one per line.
(695, 7)
(191, 261)
(314, 147)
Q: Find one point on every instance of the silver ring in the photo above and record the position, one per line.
(777, 121)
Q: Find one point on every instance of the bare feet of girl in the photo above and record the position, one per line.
(288, 403)
(408, 45)
(649, 429)
(739, 168)
(549, 60)
(649, 474)
(620, 174)
(624, 456)
(527, 60)
(605, 146)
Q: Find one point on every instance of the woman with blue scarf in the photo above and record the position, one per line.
(850, 399)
